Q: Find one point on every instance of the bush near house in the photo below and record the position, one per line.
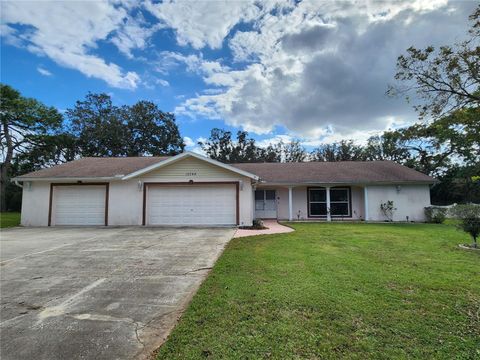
(435, 214)
(469, 217)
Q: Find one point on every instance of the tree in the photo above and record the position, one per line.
(447, 79)
(469, 216)
(97, 125)
(222, 147)
(388, 146)
(435, 145)
(293, 151)
(25, 123)
(345, 150)
(150, 131)
(459, 184)
(103, 129)
(271, 153)
(55, 149)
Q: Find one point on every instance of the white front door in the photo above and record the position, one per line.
(265, 204)
(78, 205)
(191, 205)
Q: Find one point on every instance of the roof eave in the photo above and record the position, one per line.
(360, 183)
(66, 178)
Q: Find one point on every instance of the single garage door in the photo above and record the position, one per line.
(79, 205)
(191, 205)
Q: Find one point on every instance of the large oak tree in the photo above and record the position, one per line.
(25, 124)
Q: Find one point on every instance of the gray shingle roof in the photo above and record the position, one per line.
(307, 172)
(92, 167)
(335, 172)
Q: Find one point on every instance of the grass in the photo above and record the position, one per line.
(9, 219)
(330, 291)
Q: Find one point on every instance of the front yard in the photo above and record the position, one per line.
(9, 219)
(334, 291)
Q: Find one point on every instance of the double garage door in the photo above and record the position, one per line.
(164, 205)
(191, 205)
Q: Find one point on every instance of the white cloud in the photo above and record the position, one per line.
(134, 34)
(188, 142)
(321, 69)
(44, 71)
(274, 140)
(68, 32)
(203, 23)
(162, 82)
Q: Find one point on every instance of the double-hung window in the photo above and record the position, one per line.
(339, 202)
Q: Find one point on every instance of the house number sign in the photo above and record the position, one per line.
(191, 173)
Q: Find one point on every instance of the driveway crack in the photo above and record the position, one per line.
(199, 269)
(137, 335)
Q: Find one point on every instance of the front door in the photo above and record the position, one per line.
(265, 204)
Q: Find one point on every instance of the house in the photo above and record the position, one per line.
(190, 189)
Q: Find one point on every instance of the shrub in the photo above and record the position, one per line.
(469, 216)
(258, 224)
(435, 214)
(388, 209)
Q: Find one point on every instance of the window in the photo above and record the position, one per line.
(339, 202)
(259, 197)
(317, 203)
(264, 199)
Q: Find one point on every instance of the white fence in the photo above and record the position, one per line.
(448, 213)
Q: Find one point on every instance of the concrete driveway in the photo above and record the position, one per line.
(98, 293)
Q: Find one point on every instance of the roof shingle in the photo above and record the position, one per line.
(307, 172)
(92, 167)
(335, 172)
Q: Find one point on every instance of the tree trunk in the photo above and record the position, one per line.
(5, 166)
(3, 187)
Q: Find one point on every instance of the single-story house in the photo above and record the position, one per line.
(190, 189)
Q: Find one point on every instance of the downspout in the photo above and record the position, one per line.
(18, 184)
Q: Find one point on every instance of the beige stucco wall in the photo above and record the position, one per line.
(358, 203)
(125, 204)
(410, 201)
(35, 200)
(126, 198)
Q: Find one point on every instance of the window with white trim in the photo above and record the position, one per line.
(339, 202)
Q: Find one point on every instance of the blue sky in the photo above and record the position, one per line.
(316, 70)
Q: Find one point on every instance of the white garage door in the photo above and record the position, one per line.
(191, 205)
(78, 205)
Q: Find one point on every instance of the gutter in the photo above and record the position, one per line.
(68, 179)
(359, 183)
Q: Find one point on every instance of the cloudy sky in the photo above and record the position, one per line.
(315, 70)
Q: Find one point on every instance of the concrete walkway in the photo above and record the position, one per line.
(273, 228)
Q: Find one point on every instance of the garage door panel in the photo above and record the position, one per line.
(191, 205)
(79, 205)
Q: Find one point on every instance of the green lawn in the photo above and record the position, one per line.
(9, 219)
(329, 291)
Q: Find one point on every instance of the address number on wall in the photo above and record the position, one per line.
(191, 173)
